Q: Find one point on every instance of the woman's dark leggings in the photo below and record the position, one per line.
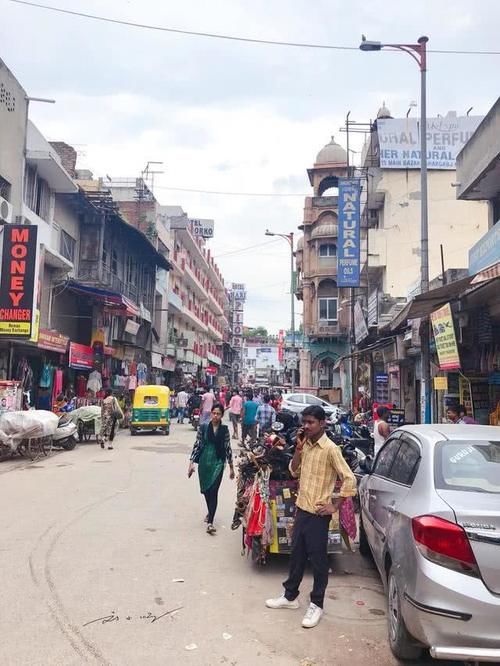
(211, 497)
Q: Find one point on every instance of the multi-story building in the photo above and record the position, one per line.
(198, 304)
(261, 363)
(326, 310)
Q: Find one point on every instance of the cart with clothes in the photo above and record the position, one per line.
(266, 496)
(88, 421)
(27, 433)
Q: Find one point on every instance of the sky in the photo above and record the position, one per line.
(237, 117)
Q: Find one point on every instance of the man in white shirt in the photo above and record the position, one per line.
(182, 400)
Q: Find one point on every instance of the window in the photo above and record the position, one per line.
(36, 193)
(313, 400)
(296, 397)
(386, 457)
(405, 466)
(328, 310)
(468, 466)
(67, 246)
(4, 189)
(114, 262)
(328, 250)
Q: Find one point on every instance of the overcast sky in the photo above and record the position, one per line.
(238, 117)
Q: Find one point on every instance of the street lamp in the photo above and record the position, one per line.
(289, 238)
(418, 52)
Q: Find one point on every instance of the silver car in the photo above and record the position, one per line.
(430, 516)
(297, 402)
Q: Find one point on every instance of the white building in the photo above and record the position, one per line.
(262, 365)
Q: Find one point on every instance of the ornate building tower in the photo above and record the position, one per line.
(326, 308)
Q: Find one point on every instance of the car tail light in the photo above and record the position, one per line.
(444, 543)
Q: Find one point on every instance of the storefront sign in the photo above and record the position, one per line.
(202, 228)
(399, 140)
(396, 417)
(169, 364)
(211, 370)
(132, 327)
(53, 341)
(444, 336)
(486, 251)
(81, 357)
(156, 360)
(348, 257)
(360, 327)
(440, 383)
(17, 282)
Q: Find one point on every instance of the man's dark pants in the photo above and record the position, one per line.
(309, 542)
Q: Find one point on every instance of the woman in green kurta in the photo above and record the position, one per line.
(211, 451)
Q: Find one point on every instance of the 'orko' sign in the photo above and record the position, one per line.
(348, 252)
(17, 281)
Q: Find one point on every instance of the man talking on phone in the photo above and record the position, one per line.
(317, 463)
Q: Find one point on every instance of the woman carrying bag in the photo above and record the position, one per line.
(110, 413)
(210, 452)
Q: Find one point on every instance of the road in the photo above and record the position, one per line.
(94, 542)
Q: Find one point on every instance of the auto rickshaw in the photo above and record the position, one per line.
(151, 409)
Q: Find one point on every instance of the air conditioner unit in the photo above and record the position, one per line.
(6, 211)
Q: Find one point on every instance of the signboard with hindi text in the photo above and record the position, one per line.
(348, 252)
(399, 141)
(17, 283)
(444, 336)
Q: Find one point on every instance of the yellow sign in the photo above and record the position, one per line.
(440, 383)
(15, 327)
(444, 336)
(35, 329)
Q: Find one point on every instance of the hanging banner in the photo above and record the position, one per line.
(348, 254)
(444, 336)
(360, 327)
(17, 283)
(440, 383)
(399, 140)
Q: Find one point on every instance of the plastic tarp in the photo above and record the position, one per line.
(16, 426)
(86, 414)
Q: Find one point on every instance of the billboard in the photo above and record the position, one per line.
(399, 141)
(202, 228)
(348, 252)
(445, 339)
(17, 283)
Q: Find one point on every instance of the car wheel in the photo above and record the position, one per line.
(401, 642)
(364, 546)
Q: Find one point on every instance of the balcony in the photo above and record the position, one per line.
(194, 319)
(213, 358)
(323, 330)
(218, 335)
(215, 305)
(100, 274)
(175, 301)
(193, 281)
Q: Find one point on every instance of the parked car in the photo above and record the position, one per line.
(297, 402)
(430, 516)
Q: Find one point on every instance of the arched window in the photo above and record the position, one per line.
(327, 250)
(327, 303)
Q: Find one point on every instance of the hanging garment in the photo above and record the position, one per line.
(58, 384)
(132, 383)
(94, 382)
(142, 373)
(81, 386)
(46, 376)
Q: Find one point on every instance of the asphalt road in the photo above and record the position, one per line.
(105, 560)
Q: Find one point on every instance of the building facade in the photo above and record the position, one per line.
(326, 309)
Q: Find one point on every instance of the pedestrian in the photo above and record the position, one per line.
(458, 414)
(211, 450)
(318, 464)
(381, 428)
(110, 414)
(249, 419)
(194, 402)
(266, 415)
(182, 401)
(235, 406)
(207, 402)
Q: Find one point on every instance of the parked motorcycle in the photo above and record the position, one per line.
(195, 418)
(65, 434)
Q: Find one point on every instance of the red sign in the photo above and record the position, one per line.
(281, 339)
(81, 357)
(211, 370)
(108, 351)
(53, 341)
(18, 280)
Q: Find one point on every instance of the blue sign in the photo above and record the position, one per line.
(348, 251)
(486, 251)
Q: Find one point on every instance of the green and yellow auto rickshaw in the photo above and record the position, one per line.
(151, 409)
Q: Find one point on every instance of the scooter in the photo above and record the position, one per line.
(65, 434)
(195, 418)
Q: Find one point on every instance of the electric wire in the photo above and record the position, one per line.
(234, 38)
(235, 194)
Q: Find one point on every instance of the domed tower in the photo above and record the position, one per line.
(326, 319)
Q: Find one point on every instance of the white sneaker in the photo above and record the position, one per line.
(312, 617)
(282, 602)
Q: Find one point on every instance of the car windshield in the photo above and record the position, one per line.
(468, 466)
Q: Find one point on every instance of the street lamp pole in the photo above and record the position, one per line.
(289, 237)
(418, 52)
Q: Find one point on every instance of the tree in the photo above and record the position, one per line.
(256, 332)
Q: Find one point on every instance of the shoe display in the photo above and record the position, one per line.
(312, 617)
(282, 602)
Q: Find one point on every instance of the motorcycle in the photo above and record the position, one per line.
(195, 418)
(65, 434)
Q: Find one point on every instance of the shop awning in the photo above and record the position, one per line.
(423, 304)
(110, 299)
(380, 344)
(487, 274)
